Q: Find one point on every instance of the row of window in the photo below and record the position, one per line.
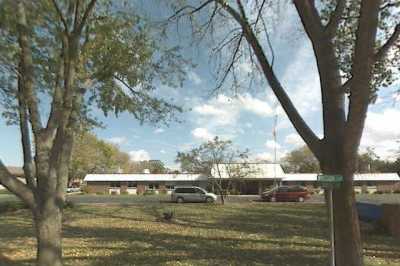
(134, 185)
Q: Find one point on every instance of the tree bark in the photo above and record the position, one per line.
(348, 246)
(48, 223)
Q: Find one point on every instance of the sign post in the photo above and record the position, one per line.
(330, 182)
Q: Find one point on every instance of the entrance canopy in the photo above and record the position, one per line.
(251, 171)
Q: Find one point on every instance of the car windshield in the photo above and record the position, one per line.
(199, 190)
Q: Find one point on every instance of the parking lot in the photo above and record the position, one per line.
(132, 199)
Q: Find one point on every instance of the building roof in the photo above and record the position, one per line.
(250, 170)
(144, 177)
(357, 177)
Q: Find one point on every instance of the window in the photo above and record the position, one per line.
(132, 184)
(283, 189)
(200, 191)
(185, 190)
(115, 184)
(153, 186)
(170, 187)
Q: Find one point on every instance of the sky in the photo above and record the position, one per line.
(246, 118)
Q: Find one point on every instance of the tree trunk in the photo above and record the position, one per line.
(348, 246)
(222, 196)
(48, 224)
(347, 230)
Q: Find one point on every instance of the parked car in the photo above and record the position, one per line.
(73, 189)
(192, 194)
(286, 193)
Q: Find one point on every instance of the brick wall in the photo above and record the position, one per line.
(388, 186)
(97, 187)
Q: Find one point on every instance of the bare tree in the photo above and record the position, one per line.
(217, 159)
(353, 61)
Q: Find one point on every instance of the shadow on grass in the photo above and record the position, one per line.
(159, 248)
(254, 234)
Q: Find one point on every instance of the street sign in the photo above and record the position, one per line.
(330, 182)
(330, 178)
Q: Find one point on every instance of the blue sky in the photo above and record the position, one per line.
(246, 118)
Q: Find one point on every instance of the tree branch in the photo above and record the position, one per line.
(363, 63)
(25, 138)
(85, 17)
(336, 15)
(77, 11)
(310, 19)
(393, 39)
(27, 70)
(61, 16)
(180, 12)
(17, 187)
(56, 105)
(298, 122)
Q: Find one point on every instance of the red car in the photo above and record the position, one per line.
(286, 193)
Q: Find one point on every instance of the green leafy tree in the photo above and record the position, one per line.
(93, 156)
(58, 60)
(370, 162)
(355, 46)
(300, 160)
(154, 167)
(217, 159)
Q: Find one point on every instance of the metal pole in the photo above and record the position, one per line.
(332, 226)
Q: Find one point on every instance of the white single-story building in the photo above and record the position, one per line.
(253, 178)
(140, 183)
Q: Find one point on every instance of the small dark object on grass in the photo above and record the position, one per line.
(69, 205)
(168, 215)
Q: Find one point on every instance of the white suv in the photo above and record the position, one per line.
(192, 194)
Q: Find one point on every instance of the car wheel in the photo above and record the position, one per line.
(301, 199)
(209, 200)
(273, 199)
(179, 200)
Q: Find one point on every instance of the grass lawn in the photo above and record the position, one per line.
(201, 234)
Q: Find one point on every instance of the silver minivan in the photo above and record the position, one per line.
(192, 194)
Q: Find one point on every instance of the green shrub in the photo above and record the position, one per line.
(234, 192)
(397, 191)
(378, 192)
(162, 191)
(149, 192)
(85, 189)
(124, 193)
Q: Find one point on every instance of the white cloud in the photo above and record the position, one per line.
(294, 139)
(382, 132)
(272, 144)
(304, 88)
(220, 111)
(193, 77)
(255, 105)
(224, 110)
(158, 130)
(248, 125)
(163, 151)
(202, 134)
(264, 156)
(117, 140)
(139, 155)
(269, 156)
(245, 68)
